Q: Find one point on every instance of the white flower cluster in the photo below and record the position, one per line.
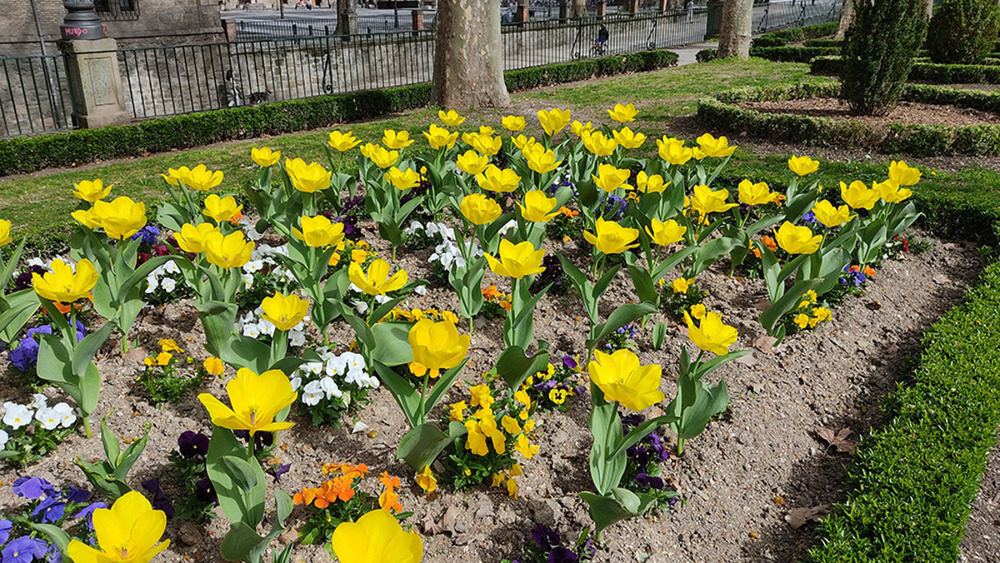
(17, 416)
(360, 306)
(263, 255)
(47, 263)
(254, 325)
(250, 229)
(447, 251)
(319, 380)
(167, 276)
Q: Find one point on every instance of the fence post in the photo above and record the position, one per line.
(229, 26)
(663, 5)
(602, 9)
(714, 22)
(95, 82)
(418, 19)
(633, 6)
(523, 14)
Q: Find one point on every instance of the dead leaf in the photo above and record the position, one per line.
(940, 279)
(135, 355)
(430, 526)
(838, 439)
(797, 517)
(764, 343)
(747, 360)
(874, 305)
(450, 518)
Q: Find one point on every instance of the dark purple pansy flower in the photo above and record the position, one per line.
(649, 481)
(809, 218)
(569, 362)
(205, 491)
(88, 513)
(25, 355)
(192, 444)
(281, 470)
(160, 500)
(32, 487)
(545, 537)
(73, 494)
(562, 555)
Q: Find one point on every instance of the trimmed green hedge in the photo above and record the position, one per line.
(930, 72)
(786, 36)
(792, 54)
(721, 112)
(27, 154)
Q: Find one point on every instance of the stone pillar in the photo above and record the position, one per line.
(663, 5)
(347, 17)
(418, 19)
(95, 82)
(602, 9)
(523, 13)
(229, 27)
(633, 6)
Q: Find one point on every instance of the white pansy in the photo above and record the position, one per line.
(312, 393)
(314, 368)
(39, 401)
(420, 290)
(360, 306)
(152, 283)
(329, 386)
(170, 267)
(66, 414)
(3, 439)
(296, 338)
(16, 416)
(168, 285)
(336, 365)
(251, 330)
(247, 281)
(296, 381)
(48, 418)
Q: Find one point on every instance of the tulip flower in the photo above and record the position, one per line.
(426, 480)
(264, 156)
(513, 123)
(715, 148)
(86, 217)
(379, 155)
(517, 261)
(375, 538)
(221, 209)
(673, 150)
(192, 238)
(437, 346)
(609, 178)
(623, 114)
(230, 251)
(902, 174)
(522, 143)
(797, 240)
(537, 207)
(256, 400)
(756, 194)
(472, 162)
(284, 311)
(396, 140)
(621, 378)
(121, 218)
(128, 531)
(319, 232)
(802, 165)
(5, 232)
(665, 233)
(858, 195)
(553, 120)
(629, 140)
(892, 192)
(376, 281)
(706, 201)
(439, 137)
(93, 191)
(450, 118)
(343, 142)
(542, 160)
(831, 216)
(62, 285)
(611, 238)
(496, 180)
(307, 178)
(479, 209)
(650, 184)
(487, 144)
(198, 178)
(403, 179)
(712, 335)
(580, 129)
(598, 144)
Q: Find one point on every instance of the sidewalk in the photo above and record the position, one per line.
(687, 52)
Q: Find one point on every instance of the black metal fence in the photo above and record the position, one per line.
(780, 15)
(33, 96)
(266, 29)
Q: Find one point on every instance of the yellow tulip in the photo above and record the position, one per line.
(712, 335)
(472, 162)
(5, 232)
(673, 150)
(650, 184)
(553, 120)
(609, 178)
(479, 209)
(756, 194)
(319, 232)
(284, 311)
(858, 195)
(706, 201)
(892, 192)
(376, 281)
(621, 378)
(538, 207)
(437, 347)
(198, 178)
(380, 156)
(230, 251)
(580, 129)
(496, 180)
(598, 144)
(664, 233)
(426, 480)
(307, 178)
(192, 238)
(121, 218)
(264, 156)
(128, 532)
(487, 144)
(343, 141)
(221, 209)
(438, 137)
(802, 165)
(623, 114)
(91, 191)
(256, 400)
(403, 179)
(902, 174)
(629, 140)
(523, 143)
(831, 216)
(611, 238)
(517, 261)
(396, 140)
(63, 285)
(376, 537)
(513, 123)
(715, 148)
(450, 118)
(797, 240)
(86, 218)
(542, 160)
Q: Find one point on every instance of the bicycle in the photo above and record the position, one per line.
(600, 47)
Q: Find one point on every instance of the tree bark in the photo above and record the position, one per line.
(930, 9)
(468, 56)
(578, 9)
(846, 19)
(735, 33)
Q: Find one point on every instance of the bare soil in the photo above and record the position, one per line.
(906, 113)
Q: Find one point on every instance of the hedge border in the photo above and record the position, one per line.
(930, 72)
(792, 54)
(721, 112)
(28, 154)
(786, 36)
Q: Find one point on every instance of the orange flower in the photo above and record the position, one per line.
(389, 501)
(388, 481)
(567, 212)
(868, 271)
(505, 304)
(769, 243)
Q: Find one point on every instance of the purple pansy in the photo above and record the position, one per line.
(545, 537)
(193, 444)
(88, 513)
(32, 487)
(562, 555)
(23, 550)
(5, 528)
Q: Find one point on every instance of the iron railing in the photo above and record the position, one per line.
(33, 95)
(770, 16)
(266, 29)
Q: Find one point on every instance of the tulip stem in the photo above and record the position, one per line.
(86, 425)
(680, 446)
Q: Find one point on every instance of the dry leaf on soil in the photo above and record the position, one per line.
(797, 517)
(838, 439)
(764, 343)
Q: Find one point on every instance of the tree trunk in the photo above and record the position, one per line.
(578, 9)
(468, 56)
(930, 9)
(735, 33)
(846, 19)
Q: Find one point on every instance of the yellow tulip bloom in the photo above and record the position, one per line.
(121, 218)
(858, 195)
(437, 347)
(91, 190)
(623, 114)
(517, 261)
(380, 156)
(673, 150)
(487, 144)
(256, 400)
(307, 178)
(628, 139)
(664, 233)
(86, 218)
(376, 281)
(450, 118)
(756, 194)
(230, 251)
(479, 209)
(621, 378)
(319, 232)
(523, 143)
(264, 156)
(715, 148)
(802, 165)
(650, 184)
(221, 209)
(396, 139)
(902, 174)
(831, 216)
(513, 123)
(284, 311)
(198, 178)
(598, 144)
(192, 238)
(403, 179)
(426, 480)
(580, 129)
(706, 201)
(712, 335)
(496, 180)
(128, 532)
(376, 537)
(609, 178)
(472, 162)
(797, 240)
(439, 137)
(553, 120)
(537, 207)
(5, 232)
(892, 192)
(542, 160)
(611, 238)
(63, 285)
(343, 142)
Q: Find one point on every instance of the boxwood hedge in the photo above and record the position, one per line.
(926, 71)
